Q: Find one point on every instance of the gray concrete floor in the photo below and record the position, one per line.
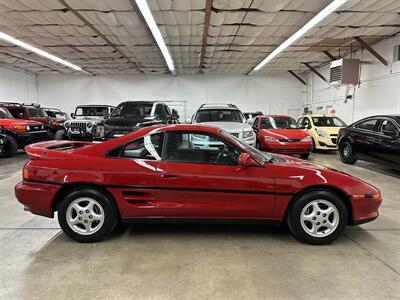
(199, 262)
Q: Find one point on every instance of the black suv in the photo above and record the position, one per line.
(132, 115)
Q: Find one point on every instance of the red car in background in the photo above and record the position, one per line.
(17, 133)
(281, 134)
(154, 174)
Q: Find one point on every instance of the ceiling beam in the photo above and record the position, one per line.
(207, 17)
(95, 30)
(30, 61)
(327, 53)
(315, 71)
(298, 77)
(371, 50)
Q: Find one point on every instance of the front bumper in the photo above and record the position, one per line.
(364, 210)
(79, 134)
(329, 143)
(287, 147)
(37, 197)
(26, 138)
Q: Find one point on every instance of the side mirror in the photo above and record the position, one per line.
(245, 160)
(72, 115)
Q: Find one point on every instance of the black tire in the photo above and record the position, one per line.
(305, 155)
(313, 149)
(347, 153)
(59, 135)
(257, 145)
(10, 147)
(108, 208)
(50, 135)
(321, 197)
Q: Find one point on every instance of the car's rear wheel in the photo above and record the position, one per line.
(10, 147)
(87, 215)
(317, 217)
(347, 154)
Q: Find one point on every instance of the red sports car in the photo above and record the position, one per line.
(156, 174)
(281, 134)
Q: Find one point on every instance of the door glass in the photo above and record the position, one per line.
(159, 112)
(388, 128)
(148, 147)
(199, 148)
(367, 125)
(266, 124)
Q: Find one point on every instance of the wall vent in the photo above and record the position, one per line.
(344, 71)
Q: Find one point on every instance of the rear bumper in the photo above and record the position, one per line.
(37, 197)
(364, 210)
(287, 148)
(24, 139)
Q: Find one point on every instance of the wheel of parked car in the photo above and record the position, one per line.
(11, 147)
(317, 217)
(347, 154)
(59, 135)
(313, 148)
(305, 155)
(87, 215)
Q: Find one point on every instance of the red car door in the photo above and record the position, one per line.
(207, 182)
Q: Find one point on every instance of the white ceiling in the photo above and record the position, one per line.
(109, 36)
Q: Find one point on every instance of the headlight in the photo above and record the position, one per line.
(247, 134)
(307, 139)
(321, 133)
(89, 125)
(270, 139)
(67, 125)
(18, 127)
(28, 128)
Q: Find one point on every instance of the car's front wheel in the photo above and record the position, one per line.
(317, 217)
(347, 154)
(87, 215)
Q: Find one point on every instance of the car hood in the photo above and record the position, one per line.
(87, 118)
(229, 126)
(123, 121)
(284, 133)
(330, 130)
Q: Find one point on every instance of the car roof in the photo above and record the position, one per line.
(274, 116)
(319, 115)
(95, 105)
(142, 101)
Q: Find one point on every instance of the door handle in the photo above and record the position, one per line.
(170, 176)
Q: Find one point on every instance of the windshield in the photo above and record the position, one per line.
(262, 156)
(37, 113)
(91, 111)
(5, 114)
(328, 122)
(219, 115)
(278, 123)
(57, 115)
(133, 109)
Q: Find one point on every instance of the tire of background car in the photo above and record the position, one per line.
(257, 145)
(347, 154)
(310, 221)
(50, 135)
(87, 214)
(11, 147)
(59, 135)
(304, 155)
(313, 148)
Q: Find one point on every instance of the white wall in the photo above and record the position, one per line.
(270, 94)
(17, 86)
(378, 93)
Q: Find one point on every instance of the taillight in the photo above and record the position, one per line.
(27, 173)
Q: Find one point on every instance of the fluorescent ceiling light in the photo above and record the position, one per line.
(40, 52)
(313, 22)
(145, 10)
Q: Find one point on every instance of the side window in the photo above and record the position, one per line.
(301, 122)
(266, 124)
(388, 128)
(159, 112)
(167, 110)
(199, 148)
(147, 147)
(255, 123)
(367, 125)
(306, 122)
